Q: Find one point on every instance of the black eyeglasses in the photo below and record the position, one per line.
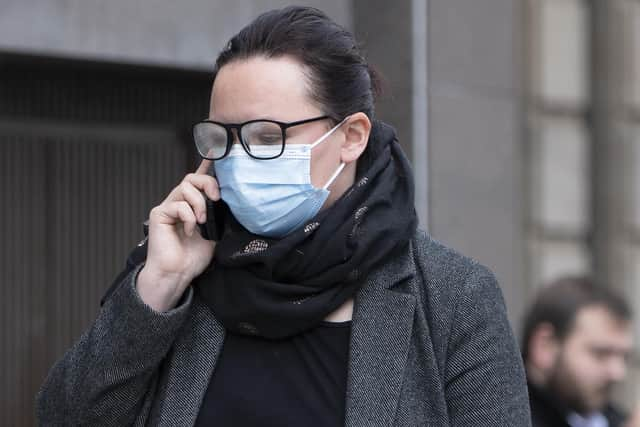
(261, 139)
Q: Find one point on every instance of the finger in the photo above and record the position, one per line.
(173, 213)
(212, 189)
(205, 183)
(196, 199)
(187, 216)
(204, 167)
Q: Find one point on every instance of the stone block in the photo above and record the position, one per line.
(561, 180)
(562, 34)
(555, 259)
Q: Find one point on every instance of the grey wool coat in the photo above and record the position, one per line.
(430, 346)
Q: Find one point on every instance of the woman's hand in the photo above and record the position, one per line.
(177, 253)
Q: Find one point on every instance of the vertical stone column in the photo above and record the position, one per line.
(469, 162)
(477, 187)
(392, 36)
(559, 218)
(616, 133)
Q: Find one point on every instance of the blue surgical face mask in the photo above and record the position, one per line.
(274, 197)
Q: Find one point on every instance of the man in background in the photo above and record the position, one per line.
(576, 344)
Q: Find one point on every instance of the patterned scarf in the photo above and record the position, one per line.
(276, 288)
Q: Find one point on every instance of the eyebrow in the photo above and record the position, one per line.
(611, 349)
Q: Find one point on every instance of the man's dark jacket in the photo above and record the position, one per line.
(547, 411)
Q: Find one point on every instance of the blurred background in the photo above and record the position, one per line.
(521, 118)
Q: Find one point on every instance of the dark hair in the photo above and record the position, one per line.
(559, 303)
(340, 80)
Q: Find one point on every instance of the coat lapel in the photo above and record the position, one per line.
(190, 367)
(380, 339)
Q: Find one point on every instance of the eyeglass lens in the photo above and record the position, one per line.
(211, 139)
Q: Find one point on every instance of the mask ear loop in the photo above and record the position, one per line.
(334, 176)
(326, 135)
(342, 165)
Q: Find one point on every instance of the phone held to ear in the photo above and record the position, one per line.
(213, 228)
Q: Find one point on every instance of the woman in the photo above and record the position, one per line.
(321, 304)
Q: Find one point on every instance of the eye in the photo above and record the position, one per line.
(262, 133)
(601, 353)
(268, 139)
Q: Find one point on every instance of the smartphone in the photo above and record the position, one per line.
(214, 227)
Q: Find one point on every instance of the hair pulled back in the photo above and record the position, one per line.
(339, 78)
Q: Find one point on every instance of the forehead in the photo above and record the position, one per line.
(597, 325)
(260, 87)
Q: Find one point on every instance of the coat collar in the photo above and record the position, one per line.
(380, 338)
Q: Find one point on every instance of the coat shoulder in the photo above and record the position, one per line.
(444, 268)
(446, 282)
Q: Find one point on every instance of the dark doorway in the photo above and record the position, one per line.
(86, 149)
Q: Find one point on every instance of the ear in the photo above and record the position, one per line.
(544, 348)
(356, 130)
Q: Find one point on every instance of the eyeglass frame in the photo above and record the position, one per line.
(229, 127)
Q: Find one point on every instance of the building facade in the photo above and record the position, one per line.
(521, 119)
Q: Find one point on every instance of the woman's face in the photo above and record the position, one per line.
(277, 89)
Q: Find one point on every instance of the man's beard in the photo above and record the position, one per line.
(565, 387)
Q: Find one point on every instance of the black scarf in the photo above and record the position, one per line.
(277, 288)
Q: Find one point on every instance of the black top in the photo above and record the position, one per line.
(298, 381)
(547, 411)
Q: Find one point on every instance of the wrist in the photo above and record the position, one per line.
(158, 290)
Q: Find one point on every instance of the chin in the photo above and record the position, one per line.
(596, 404)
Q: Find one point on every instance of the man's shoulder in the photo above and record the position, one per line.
(544, 408)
